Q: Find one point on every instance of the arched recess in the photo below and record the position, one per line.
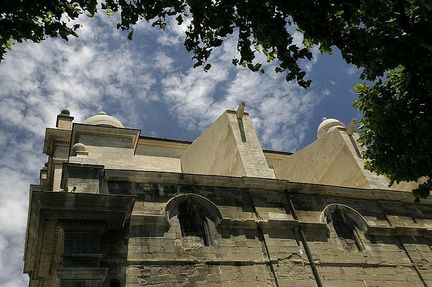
(347, 225)
(195, 218)
(349, 211)
(209, 208)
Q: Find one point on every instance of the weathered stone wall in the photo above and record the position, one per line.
(384, 262)
(258, 242)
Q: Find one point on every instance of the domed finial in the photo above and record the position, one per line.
(102, 119)
(327, 126)
(65, 112)
(79, 149)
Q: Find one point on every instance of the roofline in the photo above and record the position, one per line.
(165, 139)
(190, 142)
(277, 152)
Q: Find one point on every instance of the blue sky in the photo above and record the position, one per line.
(148, 83)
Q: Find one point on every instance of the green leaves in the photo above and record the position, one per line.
(9, 43)
(109, 12)
(48, 17)
(207, 67)
(396, 126)
(89, 14)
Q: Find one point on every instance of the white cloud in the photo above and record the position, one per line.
(279, 109)
(12, 207)
(163, 62)
(11, 261)
(351, 70)
(174, 34)
(326, 92)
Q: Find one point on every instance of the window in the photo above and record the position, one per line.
(346, 225)
(194, 218)
(346, 231)
(192, 221)
(81, 249)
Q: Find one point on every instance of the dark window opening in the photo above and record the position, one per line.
(81, 249)
(347, 231)
(114, 283)
(192, 221)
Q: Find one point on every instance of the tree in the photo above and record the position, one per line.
(34, 20)
(397, 126)
(389, 39)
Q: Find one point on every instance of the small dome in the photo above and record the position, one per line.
(65, 112)
(102, 119)
(79, 147)
(327, 126)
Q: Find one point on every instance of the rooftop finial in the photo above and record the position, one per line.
(65, 112)
(351, 127)
(240, 109)
(64, 120)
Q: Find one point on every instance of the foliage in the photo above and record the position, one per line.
(34, 20)
(376, 35)
(397, 126)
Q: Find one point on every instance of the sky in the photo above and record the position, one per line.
(149, 84)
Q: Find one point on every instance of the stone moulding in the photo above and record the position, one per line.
(158, 177)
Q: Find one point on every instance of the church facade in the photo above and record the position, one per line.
(114, 208)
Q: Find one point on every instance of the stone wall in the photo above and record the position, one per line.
(258, 242)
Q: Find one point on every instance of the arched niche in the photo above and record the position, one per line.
(209, 208)
(194, 217)
(349, 211)
(346, 225)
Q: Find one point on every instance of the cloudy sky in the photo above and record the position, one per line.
(148, 83)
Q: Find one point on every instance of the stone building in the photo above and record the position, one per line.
(114, 208)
